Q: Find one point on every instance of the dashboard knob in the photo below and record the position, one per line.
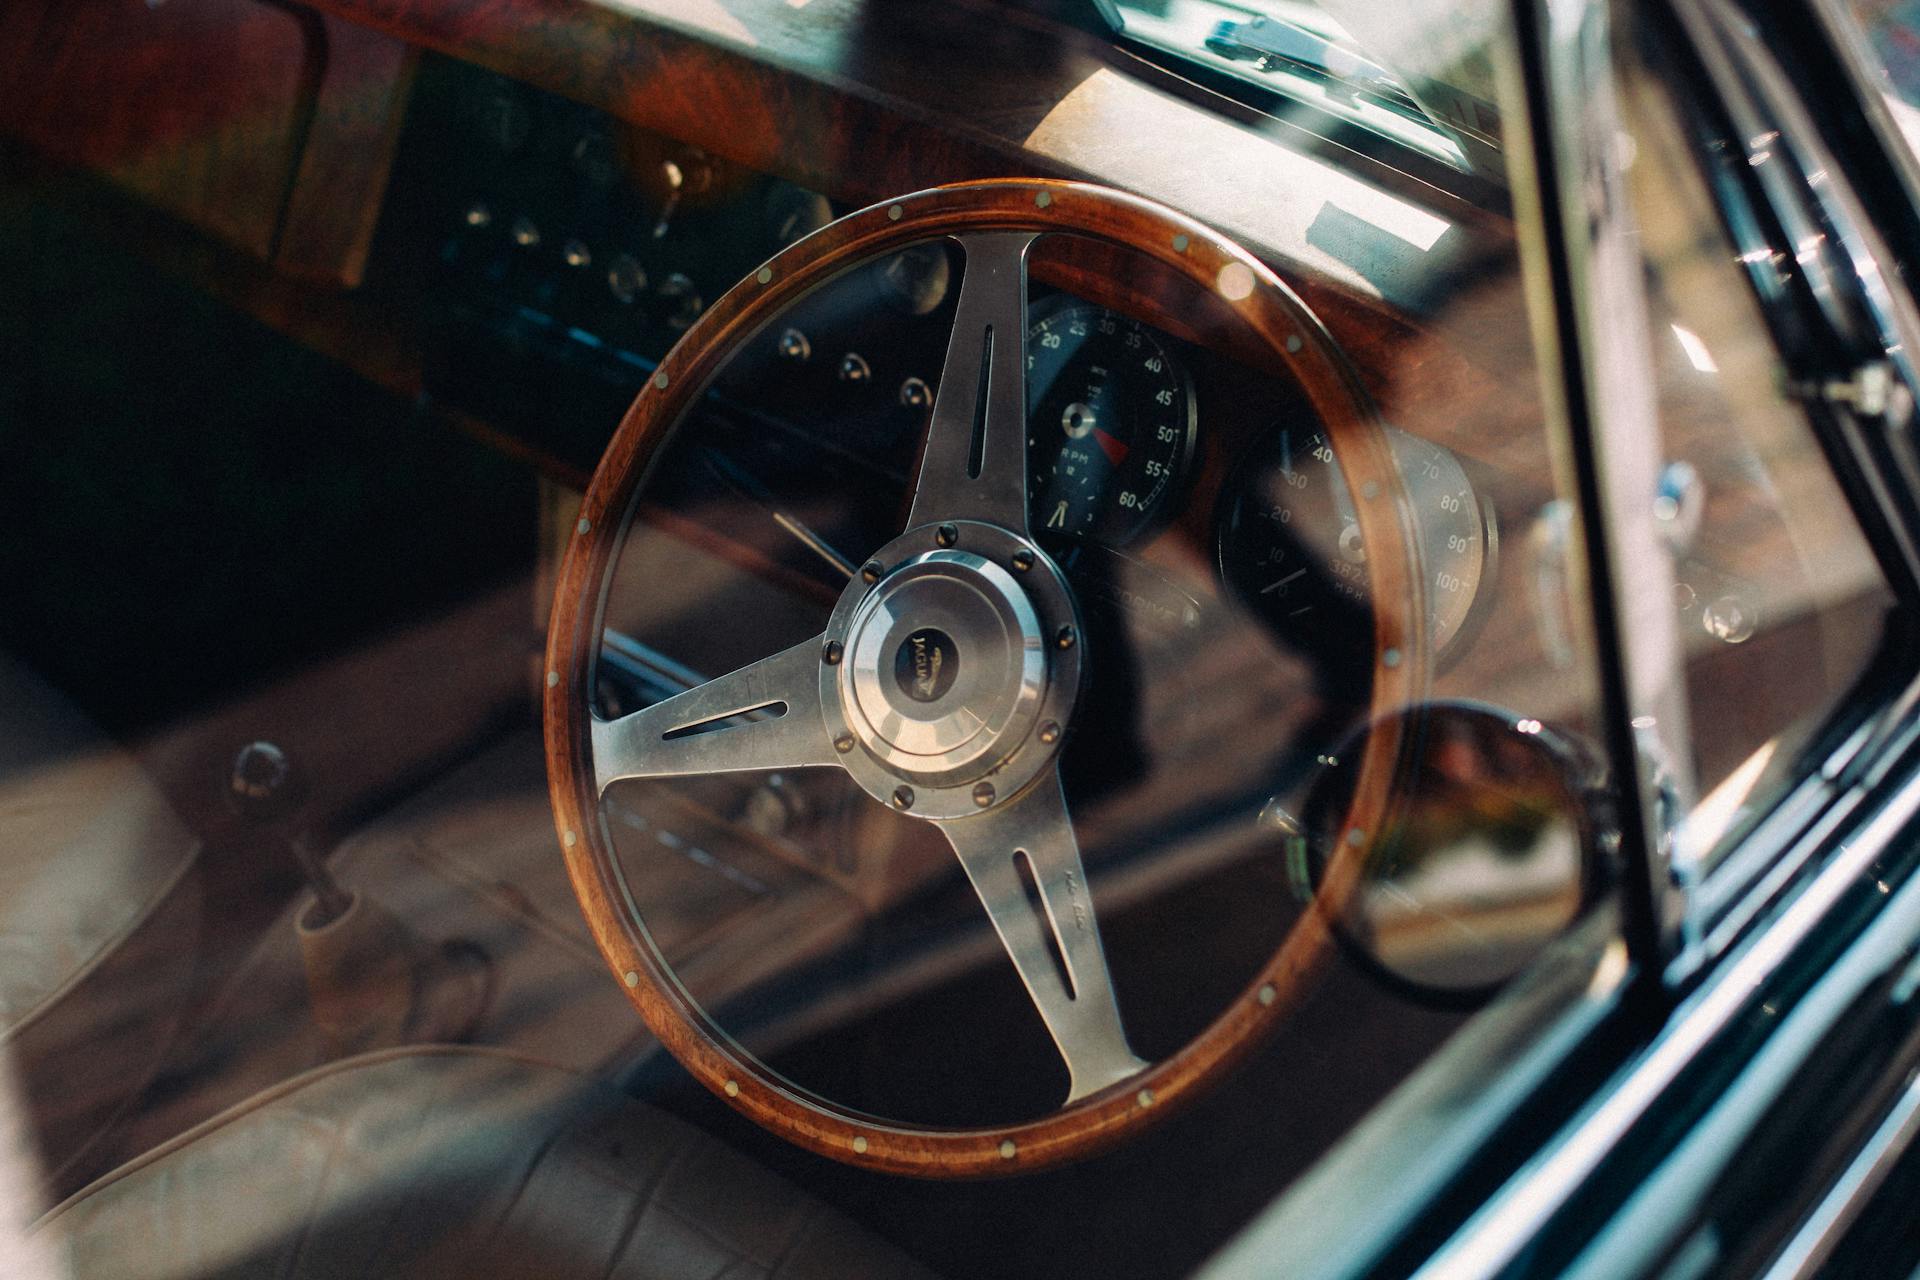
(915, 281)
(684, 303)
(794, 346)
(689, 175)
(854, 368)
(263, 785)
(595, 158)
(794, 213)
(506, 119)
(626, 277)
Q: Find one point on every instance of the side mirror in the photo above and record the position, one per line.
(1486, 855)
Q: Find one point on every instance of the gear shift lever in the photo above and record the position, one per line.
(265, 790)
(371, 980)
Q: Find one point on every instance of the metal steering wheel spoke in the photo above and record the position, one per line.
(975, 467)
(766, 715)
(1024, 863)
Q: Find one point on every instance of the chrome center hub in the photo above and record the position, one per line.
(951, 665)
(945, 658)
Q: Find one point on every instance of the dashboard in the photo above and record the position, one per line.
(527, 233)
(1175, 470)
(563, 253)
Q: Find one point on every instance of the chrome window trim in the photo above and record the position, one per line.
(1812, 195)
(1524, 1207)
(1800, 866)
(1845, 37)
(1850, 1194)
(1411, 1147)
(1803, 186)
(1580, 257)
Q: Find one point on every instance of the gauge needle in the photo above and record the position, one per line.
(1283, 582)
(1116, 450)
(738, 479)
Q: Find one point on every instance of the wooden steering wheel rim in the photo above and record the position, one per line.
(1277, 317)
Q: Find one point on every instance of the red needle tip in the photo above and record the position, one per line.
(1115, 450)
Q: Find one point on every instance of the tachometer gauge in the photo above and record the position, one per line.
(1110, 424)
(1291, 545)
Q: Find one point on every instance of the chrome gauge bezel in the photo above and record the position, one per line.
(1171, 499)
(1257, 459)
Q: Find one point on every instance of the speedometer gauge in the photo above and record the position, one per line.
(1109, 424)
(1290, 541)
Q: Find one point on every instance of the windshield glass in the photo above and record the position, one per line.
(1417, 74)
(742, 686)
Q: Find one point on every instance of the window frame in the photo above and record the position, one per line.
(1484, 1160)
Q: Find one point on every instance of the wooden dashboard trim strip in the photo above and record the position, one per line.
(863, 100)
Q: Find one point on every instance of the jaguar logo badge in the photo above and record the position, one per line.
(925, 665)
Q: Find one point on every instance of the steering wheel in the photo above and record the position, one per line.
(950, 673)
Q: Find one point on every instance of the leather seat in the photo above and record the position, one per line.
(445, 1162)
(99, 918)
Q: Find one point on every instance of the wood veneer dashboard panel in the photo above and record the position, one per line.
(863, 100)
(267, 125)
(196, 105)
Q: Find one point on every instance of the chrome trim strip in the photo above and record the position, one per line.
(1523, 1207)
(1408, 1149)
(1580, 258)
(1830, 1220)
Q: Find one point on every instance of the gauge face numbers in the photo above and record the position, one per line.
(1290, 540)
(1109, 425)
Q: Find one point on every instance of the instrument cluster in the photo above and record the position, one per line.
(1120, 426)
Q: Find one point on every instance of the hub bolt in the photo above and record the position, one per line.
(1022, 560)
(1050, 732)
(843, 743)
(870, 571)
(983, 794)
(832, 654)
(1065, 638)
(946, 535)
(903, 797)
